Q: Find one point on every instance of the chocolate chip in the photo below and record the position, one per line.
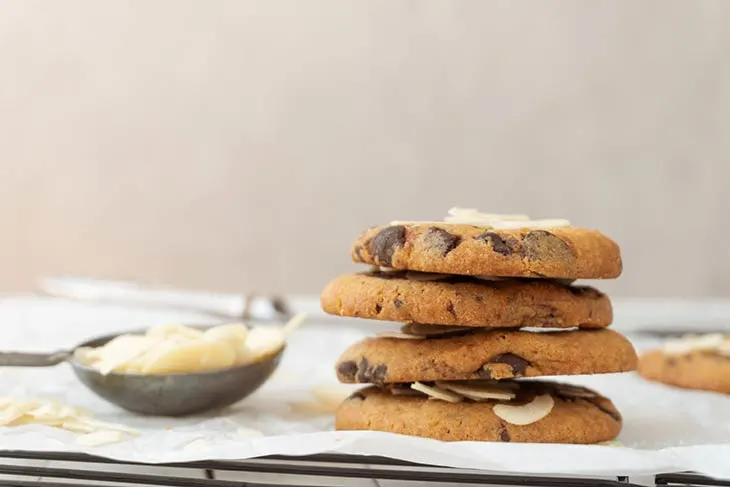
(541, 245)
(378, 309)
(379, 373)
(479, 298)
(504, 434)
(518, 364)
(671, 361)
(441, 240)
(398, 302)
(450, 309)
(371, 373)
(497, 243)
(386, 242)
(362, 370)
(347, 370)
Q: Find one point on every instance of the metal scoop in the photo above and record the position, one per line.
(158, 395)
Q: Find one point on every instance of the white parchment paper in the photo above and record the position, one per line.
(665, 429)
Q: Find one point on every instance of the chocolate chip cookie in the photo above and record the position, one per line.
(562, 419)
(488, 354)
(412, 297)
(697, 363)
(448, 248)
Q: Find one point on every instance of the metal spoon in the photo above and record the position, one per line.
(158, 395)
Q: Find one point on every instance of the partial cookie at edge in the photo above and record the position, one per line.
(697, 370)
(463, 301)
(489, 354)
(566, 252)
(574, 420)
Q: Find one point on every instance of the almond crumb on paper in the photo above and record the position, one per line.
(21, 411)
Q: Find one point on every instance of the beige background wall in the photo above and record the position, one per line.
(241, 145)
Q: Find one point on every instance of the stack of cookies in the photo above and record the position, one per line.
(484, 300)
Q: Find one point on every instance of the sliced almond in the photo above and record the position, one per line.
(388, 270)
(544, 223)
(174, 331)
(529, 413)
(234, 334)
(471, 212)
(470, 216)
(199, 355)
(293, 324)
(550, 223)
(436, 392)
(694, 343)
(262, 342)
(477, 392)
(421, 330)
(19, 411)
(415, 222)
(399, 335)
(425, 276)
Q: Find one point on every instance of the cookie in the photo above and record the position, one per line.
(488, 354)
(448, 248)
(441, 299)
(701, 362)
(559, 418)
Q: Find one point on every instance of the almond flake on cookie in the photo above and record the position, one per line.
(477, 392)
(524, 414)
(437, 392)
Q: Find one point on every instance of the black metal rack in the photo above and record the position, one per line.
(85, 470)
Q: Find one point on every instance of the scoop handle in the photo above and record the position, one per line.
(21, 359)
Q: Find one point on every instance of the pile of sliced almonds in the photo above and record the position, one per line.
(170, 349)
(470, 216)
(18, 411)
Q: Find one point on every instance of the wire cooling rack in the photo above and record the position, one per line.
(25, 469)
